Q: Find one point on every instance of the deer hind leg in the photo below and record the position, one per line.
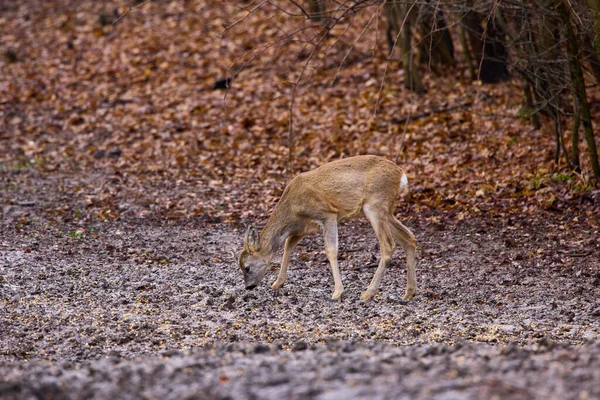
(330, 234)
(290, 243)
(407, 240)
(378, 220)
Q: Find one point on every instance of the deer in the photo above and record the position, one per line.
(348, 188)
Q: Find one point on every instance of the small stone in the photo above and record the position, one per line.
(348, 347)
(300, 345)
(331, 341)
(98, 154)
(229, 303)
(590, 336)
(509, 328)
(262, 348)
(114, 152)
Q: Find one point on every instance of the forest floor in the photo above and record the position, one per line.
(156, 308)
(126, 183)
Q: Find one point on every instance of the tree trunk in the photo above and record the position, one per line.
(399, 32)
(594, 6)
(467, 52)
(578, 84)
(534, 115)
(317, 11)
(557, 134)
(436, 45)
(575, 137)
(487, 44)
(538, 52)
(592, 57)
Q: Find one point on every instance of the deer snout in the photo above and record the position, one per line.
(250, 287)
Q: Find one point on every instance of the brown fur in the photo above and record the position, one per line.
(347, 188)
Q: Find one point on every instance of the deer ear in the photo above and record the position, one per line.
(251, 240)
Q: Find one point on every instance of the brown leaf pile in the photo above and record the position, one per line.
(129, 118)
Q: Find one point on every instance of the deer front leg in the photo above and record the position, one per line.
(290, 243)
(330, 233)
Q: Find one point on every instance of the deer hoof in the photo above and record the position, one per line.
(277, 285)
(367, 296)
(409, 295)
(337, 295)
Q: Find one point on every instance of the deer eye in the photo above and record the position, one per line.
(246, 269)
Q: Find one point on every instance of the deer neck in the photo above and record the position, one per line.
(273, 236)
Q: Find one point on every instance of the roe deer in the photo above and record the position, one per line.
(347, 188)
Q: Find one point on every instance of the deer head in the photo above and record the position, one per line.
(253, 264)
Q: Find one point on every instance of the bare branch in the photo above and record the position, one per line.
(389, 57)
(130, 10)
(250, 12)
(354, 44)
(300, 8)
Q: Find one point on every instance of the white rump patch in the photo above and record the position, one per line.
(371, 216)
(404, 183)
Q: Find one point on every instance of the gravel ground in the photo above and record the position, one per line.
(132, 309)
(336, 370)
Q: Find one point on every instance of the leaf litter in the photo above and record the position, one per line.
(127, 180)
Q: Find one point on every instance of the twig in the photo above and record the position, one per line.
(428, 113)
(301, 8)
(331, 47)
(574, 12)
(26, 203)
(352, 47)
(336, 22)
(387, 61)
(130, 10)
(403, 135)
(352, 250)
(566, 253)
(252, 58)
(283, 10)
(370, 265)
(227, 27)
(433, 28)
(290, 138)
(324, 33)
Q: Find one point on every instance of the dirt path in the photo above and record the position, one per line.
(332, 371)
(504, 306)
